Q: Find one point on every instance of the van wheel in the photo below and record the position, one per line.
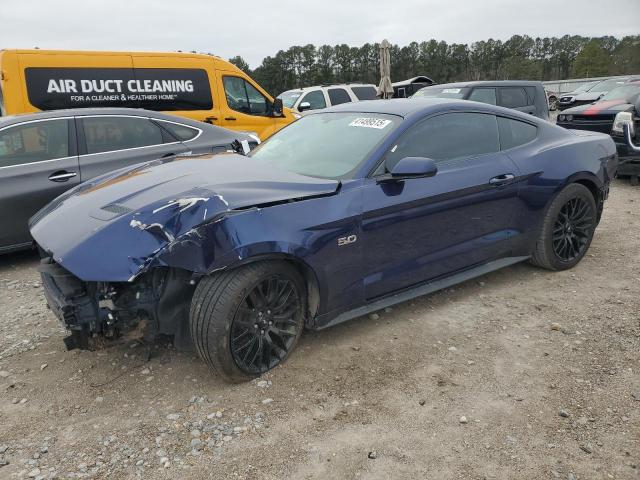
(247, 321)
(567, 229)
(634, 180)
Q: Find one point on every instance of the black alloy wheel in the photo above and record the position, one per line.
(266, 324)
(567, 229)
(573, 229)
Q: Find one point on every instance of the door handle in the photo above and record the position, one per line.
(61, 176)
(211, 120)
(230, 118)
(501, 179)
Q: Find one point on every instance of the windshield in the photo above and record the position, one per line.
(629, 93)
(585, 87)
(441, 92)
(327, 145)
(289, 98)
(606, 85)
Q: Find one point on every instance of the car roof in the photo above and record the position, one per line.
(405, 107)
(79, 112)
(339, 85)
(489, 83)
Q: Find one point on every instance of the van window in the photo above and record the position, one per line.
(315, 99)
(244, 97)
(365, 93)
(338, 96)
(484, 95)
(34, 142)
(181, 132)
(513, 97)
(108, 134)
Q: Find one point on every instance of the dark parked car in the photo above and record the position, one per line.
(343, 212)
(44, 154)
(608, 115)
(526, 97)
(589, 93)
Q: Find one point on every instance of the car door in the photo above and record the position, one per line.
(110, 142)
(423, 228)
(38, 162)
(245, 108)
(517, 99)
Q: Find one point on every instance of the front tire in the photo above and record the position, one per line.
(246, 321)
(567, 229)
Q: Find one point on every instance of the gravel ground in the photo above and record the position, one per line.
(521, 374)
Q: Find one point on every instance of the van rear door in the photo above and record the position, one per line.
(177, 84)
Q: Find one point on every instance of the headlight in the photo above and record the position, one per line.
(297, 116)
(561, 118)
(619, 121)
(568, 118)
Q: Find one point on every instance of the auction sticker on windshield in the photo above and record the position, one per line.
(451, 90)
(378, 123)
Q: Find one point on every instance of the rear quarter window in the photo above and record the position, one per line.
(514, 133)
(183, 133)
(365, 93)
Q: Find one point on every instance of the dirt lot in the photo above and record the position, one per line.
(519, 374)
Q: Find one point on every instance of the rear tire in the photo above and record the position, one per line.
(567, 229)
(246, 321)
(634, 180)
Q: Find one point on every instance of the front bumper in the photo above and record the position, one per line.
(71, 301)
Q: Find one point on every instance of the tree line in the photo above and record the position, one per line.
(520, 57)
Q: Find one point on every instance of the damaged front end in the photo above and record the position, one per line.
(122, 255)
(157, 302)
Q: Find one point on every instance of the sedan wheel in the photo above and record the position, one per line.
(567, 229)
(573, 229)
(248, 320)
(265, 326)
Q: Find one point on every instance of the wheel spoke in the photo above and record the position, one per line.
(266, 324)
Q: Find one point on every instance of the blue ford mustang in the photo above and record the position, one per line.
(344, 212)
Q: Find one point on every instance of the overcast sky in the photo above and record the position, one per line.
(257, 28)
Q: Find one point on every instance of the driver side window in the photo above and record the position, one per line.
(446, 137)
(315, 99)
(244, 97)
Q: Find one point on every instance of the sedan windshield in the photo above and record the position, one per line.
(289, 98)
(327, 145)
(441, 92)
(629, 93)
(606, 85)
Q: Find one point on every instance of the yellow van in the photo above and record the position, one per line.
(201, 87)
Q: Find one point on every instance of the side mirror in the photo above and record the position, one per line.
(413, 167)
(304, 106)
(278, 108)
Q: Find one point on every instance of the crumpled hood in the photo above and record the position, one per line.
(108, 229)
